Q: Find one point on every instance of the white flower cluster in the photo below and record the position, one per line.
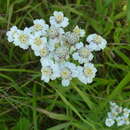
(63, 54)
(117, 115)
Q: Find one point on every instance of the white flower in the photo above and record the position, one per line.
(61, 54)
(79, 31)
(10, 34)
(22, 38)
(56, 48)
(83, 54)
(86, 73)
(42, 52)
(96, 42)
(113, 104)
(118, 114)
(40, 26)
(109, 122)
(58, 19)
(116, 109)
(112, 115)
(126, 120)
(126, 112)
(55, 37)
(67, 72)
(55, 32)
(120, 121)
(71, 38)
(49, 70)
(37, 41)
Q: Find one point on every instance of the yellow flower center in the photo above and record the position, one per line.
(23, 38)
(43, 52)
(61, 54)
(38, 27)
(97, 39)
(14, 32)
(65, 73)
(57, 45)
(126, 119)
(47, 71)
(88, 71)
(76, 30)
(38, 41)
(59, 18)
(84, 52)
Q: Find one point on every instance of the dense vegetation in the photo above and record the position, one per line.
(28, 103)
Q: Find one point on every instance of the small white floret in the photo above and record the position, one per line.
(58, 19)
(11, 33)
(40, 26)
(37, 41)
(50, 70)
(109, 122)
(79, 31)
(67, 72)
(22, 38)
(86, 73)
(83, 54)
(96, 42)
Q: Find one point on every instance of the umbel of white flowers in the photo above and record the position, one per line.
(63, 54)
(117, 115)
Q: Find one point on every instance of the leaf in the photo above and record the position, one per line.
(3, 126)
(54, 115)
(123, 56)
(84, 96)
(119, 66)
(22, 124)
(116, 91)
(69, 104)
(120, 86)
(59, 126)
(128, 13)
(18, 70)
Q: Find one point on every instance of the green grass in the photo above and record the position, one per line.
(26, 103)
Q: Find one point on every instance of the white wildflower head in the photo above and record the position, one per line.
(80, 32)
(38, 41)
(71, 37)
(62, 51)
(22, 38)
(126, 120)
(55, 32)
(86, 73)
(40, 26)
(10, 34)
(50, 70)
(67, 72)
(112, 115)
(96, 42)
(55, 37)
(109, 122)
(58, 19)
(61, 54)
(126, 112)
(42, 52)
(120, 121)
(118, 114)
(83, 54)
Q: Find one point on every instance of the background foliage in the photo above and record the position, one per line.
(27, 103)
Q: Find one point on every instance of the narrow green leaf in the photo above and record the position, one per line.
(120, 86)
(54, 115)
(84, 96)
(59, 126)
(22, 124)
(123, 56)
